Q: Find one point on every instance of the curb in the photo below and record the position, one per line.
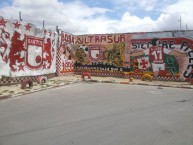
(37, 90)
(124, 82)
(144, 84)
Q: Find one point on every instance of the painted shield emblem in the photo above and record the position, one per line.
(94, 52)
(143, 63)
(34, 55)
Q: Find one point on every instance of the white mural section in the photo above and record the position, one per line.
(26, 50)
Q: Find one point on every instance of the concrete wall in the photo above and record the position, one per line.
(66, 59)
(133, 54)
(26, 50)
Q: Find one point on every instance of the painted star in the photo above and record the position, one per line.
(17, 24)
(3, 22)
(27, 27)
(20, 67)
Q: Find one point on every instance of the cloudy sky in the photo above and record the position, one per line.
(102, 16)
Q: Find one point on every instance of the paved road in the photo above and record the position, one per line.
(99, 114)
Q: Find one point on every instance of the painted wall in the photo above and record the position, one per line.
(66, 53)
(103, 52)
(169, 58)
(26, 50)
(134, 54)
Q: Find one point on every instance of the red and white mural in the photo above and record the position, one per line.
(136, 54)
(26, 50)
(67, 59)
(166, 57)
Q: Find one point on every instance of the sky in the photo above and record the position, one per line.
(102, 16)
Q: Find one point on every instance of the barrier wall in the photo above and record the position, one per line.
(26, 50)
(65, 55)
(169, 59)
(164, 55)
(102, 54)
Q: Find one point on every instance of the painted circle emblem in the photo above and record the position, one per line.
(38, 59)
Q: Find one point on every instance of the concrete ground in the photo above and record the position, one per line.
(15, 90)
(89, 113)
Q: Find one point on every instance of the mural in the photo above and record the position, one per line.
(67, 50)
(102, 52)
(137, 54)
(26, 50)
(162, 57)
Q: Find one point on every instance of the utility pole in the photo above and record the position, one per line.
(43, 24)
(57, 30)
(180, 20)
(20, 16)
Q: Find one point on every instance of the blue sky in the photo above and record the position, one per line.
(117, 8)
(102, 16)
